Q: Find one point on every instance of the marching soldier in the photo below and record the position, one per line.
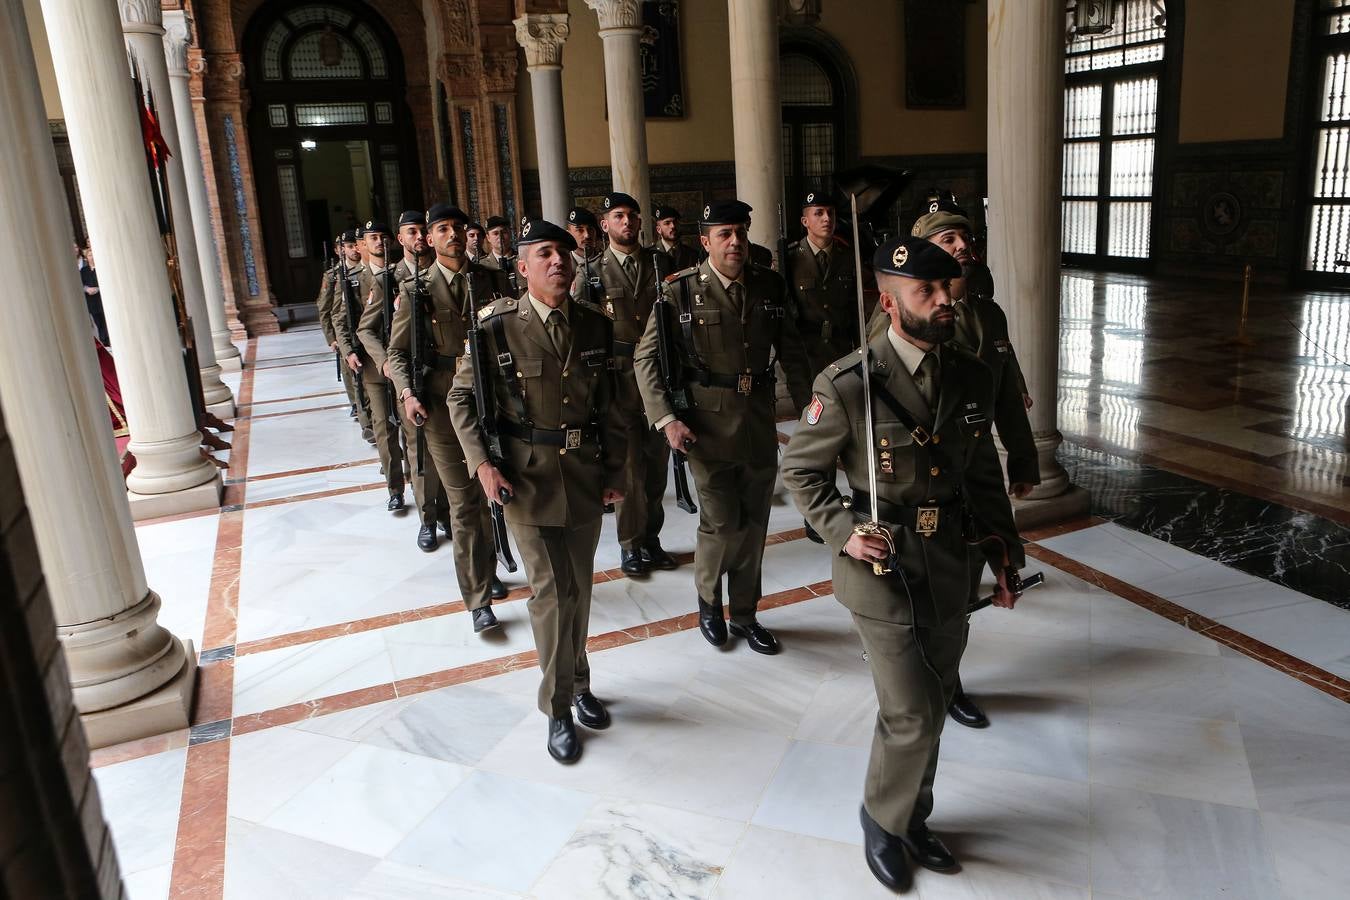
(332, 303)
(732, 326)
(584, 228)
(441, 301)
(668, 238)
(982, 329)
(474, 241)
(413, 241)
(822, 281)
(499, 255)
(937, 486)
(628, 274)
(383, 418)
(548, 368)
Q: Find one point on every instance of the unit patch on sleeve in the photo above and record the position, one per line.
(813, 412)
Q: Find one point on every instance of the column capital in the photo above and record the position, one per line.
(617, 15)
(177, 40)
(141, 16)
(542, 35)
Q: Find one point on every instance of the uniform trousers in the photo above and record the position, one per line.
(386, 434)
(352, 383)
(914, 673)
(559, 562)
(733, 520)
(641, 514)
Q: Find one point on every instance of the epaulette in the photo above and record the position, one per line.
(683, 273)
(586, 304)
(500, 306)
(843, 365)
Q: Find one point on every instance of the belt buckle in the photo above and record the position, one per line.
(744, 383)
(572, 440)
(926, 521)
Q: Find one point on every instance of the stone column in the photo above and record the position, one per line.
(171, 474)
(620, 29)
(1025, 124)
(177, 37)
(131, 678)
(757, 113)
(542, 35)
(144, 31)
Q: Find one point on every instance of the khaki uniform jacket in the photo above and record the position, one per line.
(729, 425)
(937, 569)
(826, 302)
(555, 486)
(446, 320)
(325, 305)
(344, 330)
(630, 305)
(507, 267)
(682, 255)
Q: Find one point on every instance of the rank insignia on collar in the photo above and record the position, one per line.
(815, 410)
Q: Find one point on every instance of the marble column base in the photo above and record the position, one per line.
(230, 363)
(166, 709)
(222, 410)
(1075, 503)
(202, 496)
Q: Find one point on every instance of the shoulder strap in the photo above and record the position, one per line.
(497, 333)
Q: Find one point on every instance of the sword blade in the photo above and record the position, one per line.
(866, 364)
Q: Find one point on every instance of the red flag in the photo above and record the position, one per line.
(155, 144)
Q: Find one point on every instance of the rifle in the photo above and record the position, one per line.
(1016, 585)
(483, 399)
(387, 285)
(416, 361)
(337, 357)
(352, 304)
(672, 378)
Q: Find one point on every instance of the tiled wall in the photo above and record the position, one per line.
(53, 839)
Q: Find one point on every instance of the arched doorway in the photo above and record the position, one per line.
(330, 132)
(818, 109)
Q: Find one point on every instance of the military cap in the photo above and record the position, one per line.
(497, 222)
(818, 197)
(913, 257)
(374, 225)
(412, 217)
(475, 226)
(537, 231)
(349, 237)
(360, 232)
(580, 215)
(726, 212)
(442, 211)
(619, 200)
(665, 212)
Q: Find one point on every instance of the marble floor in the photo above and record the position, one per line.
(1169, 712)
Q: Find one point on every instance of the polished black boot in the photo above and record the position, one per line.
(631, 562)
(498, 590)
(711, 623)
(426, 538)
(963, 710)
(757, 637)
(395, 501)
(484, 619)
(927, 850)
(590, 711)
(656, 557)
(885, 854)
(563, 743)
(445, 528)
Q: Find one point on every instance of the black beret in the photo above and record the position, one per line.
(726, 212)
(537, 231)
(580, 215)
(818, 197)
(497, 222)
(360, 232)
(665, 212)
(475, 226)
(914, 257)
(619, 200)
(374, 225)
(442, 211)
(348, 237)
(412, 217)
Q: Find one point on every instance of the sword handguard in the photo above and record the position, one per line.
(876, 529)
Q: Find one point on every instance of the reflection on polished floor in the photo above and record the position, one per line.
(1168, 721)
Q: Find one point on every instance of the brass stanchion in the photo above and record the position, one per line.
(1242, 340)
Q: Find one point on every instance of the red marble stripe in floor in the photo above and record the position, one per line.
(295, 412)
(199, 852)
(311, 471)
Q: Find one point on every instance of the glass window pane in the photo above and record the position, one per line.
(324, 54)
(271, 53)
(374, 52)
(393, 187)
(1328, 238)
(1127, 230)
(788, 162)
(1134, 106)
(1333, 163)
(330, 114)
(314, 14)
(276, 115)
(384, 113)
(818, 151)
(803, 82)
(290, 212)
(1083, 111)
(1082, 164)
(1335, 103)
(1132, 168)
(1080, 226)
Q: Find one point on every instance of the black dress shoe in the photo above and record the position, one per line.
(812, 535)
(711, 623)
(757, 637)
(563, 743)
(885, 854)
(963, 710)
(590, 711)
(426, 538)
(657, 558)
(395, 502)
(927, 850)
(483, 619)
(351, 411)
(499, 591)
(631, 562)
(444, 525)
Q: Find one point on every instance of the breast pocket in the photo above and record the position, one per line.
(894, 449)
(708, 331)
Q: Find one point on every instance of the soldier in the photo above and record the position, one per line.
(412, 237)
(474, 236)
(668, 237)
(627, 274)
(982, 329)
(383, 418)
(823, 284)
(441, 300)
(499, 255)
(936, 472)
(732, 324)
(332, 303)
(549, 371)
(584, 228)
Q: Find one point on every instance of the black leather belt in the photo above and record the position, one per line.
(623, 348)
(741, 384)
(566, 438)
(924, 520)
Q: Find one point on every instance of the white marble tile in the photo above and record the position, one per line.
(1200, 759)
(269, 767)
(148, 884)
(1122, 553)
(369, 800)
(1147, 845)
(1159, 681)
(843, 711)
(285, 382)
(263, 862)
(275, 678)
(1270, 699)
(1314, 631)
(1029, 733)
(1250, 595)
(391, 881)
(1038, 671)
(816, 791)
(328, 398)
(306, 338)
(458, 725)
(495, 830)
(1299, 774)
(1310, 857)
(233, 379)
(1058, 609)
(777, 865)
(640, 851)
(1116, 620)
(317, 482)
(288, 442)
(980, 879)
(178, 558)
(141, 799)
(745, 690)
